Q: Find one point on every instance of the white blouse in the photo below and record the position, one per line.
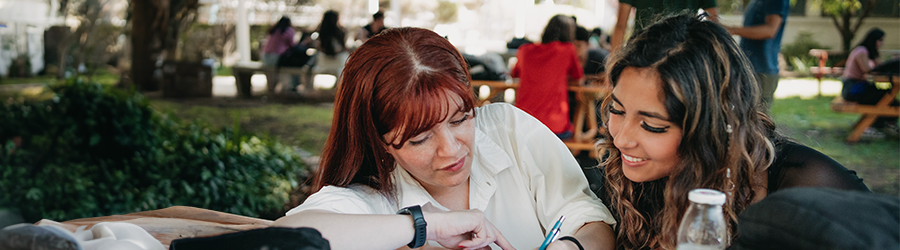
(523, 178)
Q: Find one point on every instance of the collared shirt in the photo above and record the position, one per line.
(523, 178)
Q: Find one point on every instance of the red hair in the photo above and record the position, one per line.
(401, 78)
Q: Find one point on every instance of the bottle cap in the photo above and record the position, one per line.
(707, 196)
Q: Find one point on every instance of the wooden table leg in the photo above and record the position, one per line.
(864, 122)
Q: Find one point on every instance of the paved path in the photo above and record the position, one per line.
(806, 88)
(223, 86)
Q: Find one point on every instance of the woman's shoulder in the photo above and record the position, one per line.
(797, 165)
(503, 119)
(353, 199)
(499, 112)
(859, 51)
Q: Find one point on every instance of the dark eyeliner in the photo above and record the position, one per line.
(615, 111)
(654, 129)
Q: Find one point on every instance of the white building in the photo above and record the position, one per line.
(22, 25)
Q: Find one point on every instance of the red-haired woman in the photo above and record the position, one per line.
(406, 136)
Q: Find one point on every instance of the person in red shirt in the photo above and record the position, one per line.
(545, 70)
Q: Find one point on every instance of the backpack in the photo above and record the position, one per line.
(294, 57)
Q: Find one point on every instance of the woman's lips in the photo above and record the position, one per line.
(455, 166)
(633, 161)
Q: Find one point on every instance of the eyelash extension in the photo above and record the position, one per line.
(654, 129)
(615, 111)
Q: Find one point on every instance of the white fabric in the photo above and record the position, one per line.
(523, 178)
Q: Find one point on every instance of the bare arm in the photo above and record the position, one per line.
(347, 231)
(593, 235)
(355, 231)
(621, 24)
(759, 32)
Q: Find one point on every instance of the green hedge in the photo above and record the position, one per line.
(95, 151)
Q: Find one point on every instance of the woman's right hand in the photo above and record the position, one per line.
(464, 229)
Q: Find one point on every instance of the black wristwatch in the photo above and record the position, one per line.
(418, 223)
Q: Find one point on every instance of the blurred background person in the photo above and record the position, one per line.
(761, 35)
(371, 29)
(600, 39)
(648, 11)
(857, 88)
(592, 57)
(545, 70)
(278, 40)
(332, 52)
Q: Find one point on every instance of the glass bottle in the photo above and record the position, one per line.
(703, 225)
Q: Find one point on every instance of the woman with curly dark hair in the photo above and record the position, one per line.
(685, 113)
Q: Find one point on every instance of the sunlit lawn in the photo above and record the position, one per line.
(302, 125)
(812, 122)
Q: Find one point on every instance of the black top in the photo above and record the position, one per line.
(800, 166)
(795, 166)
(596, 61)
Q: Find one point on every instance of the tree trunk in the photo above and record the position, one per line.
(142, 33)
(846, 27)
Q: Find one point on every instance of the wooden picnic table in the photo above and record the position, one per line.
(870, 112)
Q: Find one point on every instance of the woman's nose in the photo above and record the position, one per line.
(624, 138)
(448, 146)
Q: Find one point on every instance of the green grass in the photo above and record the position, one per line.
(223, 71)
(302, 125)
(27, 80)
(813, 123)
(102, 75)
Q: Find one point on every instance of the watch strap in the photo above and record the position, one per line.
(573, 240)
(418, 223)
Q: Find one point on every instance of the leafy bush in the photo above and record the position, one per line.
(797, 53)
(94, 151)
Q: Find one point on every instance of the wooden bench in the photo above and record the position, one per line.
(869, 112)
(244, 71)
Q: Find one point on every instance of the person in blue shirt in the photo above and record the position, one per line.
(761, 41)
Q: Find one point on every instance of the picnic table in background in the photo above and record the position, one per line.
(870, 112)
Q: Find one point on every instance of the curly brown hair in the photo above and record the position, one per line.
(727, 143)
